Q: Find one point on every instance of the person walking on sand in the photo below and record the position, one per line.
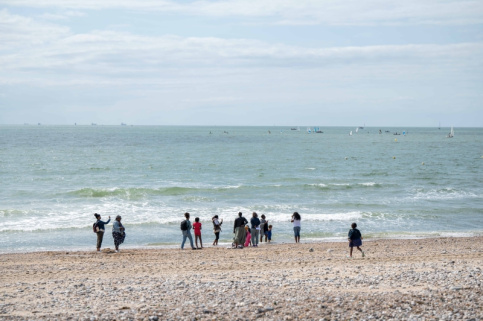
(239, 230)
(255, 229)
(100, 230)
(186, 230)
(216, 228)
(262, 227)
(296, 226)
(118, 233)
(197, 228)
(355, 239)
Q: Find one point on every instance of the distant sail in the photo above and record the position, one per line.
(451, 133)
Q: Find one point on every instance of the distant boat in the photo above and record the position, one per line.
(93, 124)
(451, 133)
(123, 124)
(293, 128)
(357, 129)
(308, 130)
(350, 133)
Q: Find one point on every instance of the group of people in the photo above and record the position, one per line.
(245, 233)
(118, 231)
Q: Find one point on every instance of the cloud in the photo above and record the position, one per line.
(293, 12)
(16, 31)
(64, 15)
(106, 57)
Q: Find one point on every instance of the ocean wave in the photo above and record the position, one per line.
(442, 194)
(167, 217)
(12, 213)
(141, 192)
(343, 186)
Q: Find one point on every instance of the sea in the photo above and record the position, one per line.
(416, 184)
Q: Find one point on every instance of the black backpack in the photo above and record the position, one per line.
(95, 228)
(184, 225)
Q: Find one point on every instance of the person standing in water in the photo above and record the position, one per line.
(100, 230)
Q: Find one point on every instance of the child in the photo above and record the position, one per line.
(355, 239)
(197, 228)
(269, 233)
(248, 236)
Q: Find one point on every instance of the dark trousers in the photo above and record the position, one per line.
(100, 236)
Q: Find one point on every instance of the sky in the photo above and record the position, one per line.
(238, 63)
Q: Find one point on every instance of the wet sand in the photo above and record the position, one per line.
(424, 279)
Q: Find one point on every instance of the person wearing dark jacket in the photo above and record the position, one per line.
(100, 230)
(239, 230)
(255, 228)
(355, 239)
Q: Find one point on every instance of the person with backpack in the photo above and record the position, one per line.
(355, 239)
(99, 229)
(186, 231)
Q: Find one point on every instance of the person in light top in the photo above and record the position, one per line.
(118, 233)
(296, 226)
(216, 228)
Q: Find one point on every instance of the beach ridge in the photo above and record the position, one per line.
(399, 279)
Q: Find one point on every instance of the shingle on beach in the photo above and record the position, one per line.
(413, 279)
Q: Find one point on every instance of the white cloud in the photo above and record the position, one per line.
(16, 31)
(64, 15)
(347, 12)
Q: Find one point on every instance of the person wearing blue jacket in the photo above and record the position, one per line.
(100, 230)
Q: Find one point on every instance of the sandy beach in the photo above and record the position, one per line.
(422, 279)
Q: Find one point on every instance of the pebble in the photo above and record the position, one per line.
(293, 286)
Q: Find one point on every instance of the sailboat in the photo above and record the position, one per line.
(451, 133)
